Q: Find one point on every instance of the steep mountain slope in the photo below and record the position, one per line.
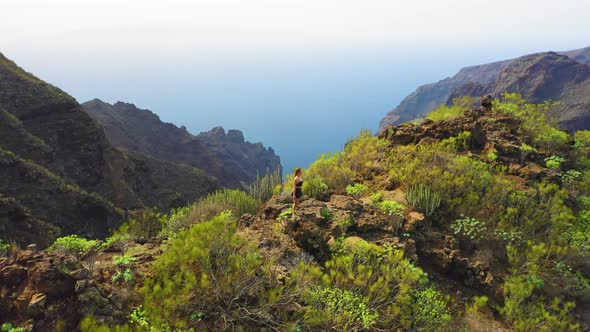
(59, 165)
(541, 77)
(458, 228)
(427, 97)
(226, 156)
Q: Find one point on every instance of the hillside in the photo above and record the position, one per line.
(427, 97)
(59, 165)
(478, 221)
(228, 157)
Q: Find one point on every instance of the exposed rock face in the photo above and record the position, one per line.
(541, 77)
(428, 97)
(228, 157)
(57, 163)
(475, 80)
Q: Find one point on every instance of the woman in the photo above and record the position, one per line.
(297, 193)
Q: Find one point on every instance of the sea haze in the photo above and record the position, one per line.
(300, 103)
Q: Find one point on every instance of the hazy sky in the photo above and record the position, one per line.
(209, 25)
(301, 76)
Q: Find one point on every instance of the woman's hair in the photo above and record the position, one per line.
(297, 171)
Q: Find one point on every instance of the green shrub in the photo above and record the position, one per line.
(208, 269)
(326, 213)
(73, 244)
(345, 223)
(139, 318)
(491, 156)
(554, 162)
(539, 121)
(460, 142)
(330, 169)
(4, 248)
(124, 272)
(357, 190)
(525, 151)
(7, 327)
(361, 153)
(571, 177)
(379, 278)
(469, 228)
(143, 224)
(285, 215)
(213, 204)
(376, 197)
(392, 208)
(444, 112)
(430, 310)
(119, 240)
(511, 237)
(423, 198)
(339, 309)
(524, 311)
(316, 188)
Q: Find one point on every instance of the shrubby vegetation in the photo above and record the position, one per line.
(233, 200)
(211, 276)
(539, 121)
(357, 190)
(263, 187)
(336, 171)
(459, 107)
(73, 244)
(4, 248)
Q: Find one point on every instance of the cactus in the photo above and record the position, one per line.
(423, 198)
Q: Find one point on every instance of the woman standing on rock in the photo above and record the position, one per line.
(296, 192)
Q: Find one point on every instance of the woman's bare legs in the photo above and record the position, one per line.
(295, 203)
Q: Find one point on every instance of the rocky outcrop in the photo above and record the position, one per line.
(227, 156)
(51, 289)
(475, 80)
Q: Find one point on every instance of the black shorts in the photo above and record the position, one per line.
(298, 193)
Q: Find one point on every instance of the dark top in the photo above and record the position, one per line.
(298, 192)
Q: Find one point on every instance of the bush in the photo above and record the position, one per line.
(316, 188)
(379, 280)
(357, 190)
(124, 272)
(539, 121)
(459, 107)
(525, 312)
(4, 248)
(340, 309)
(554, 162)
(430, 310)
(326, 213)
(376, 197)
(423, 198)
(285, 215)
(469, 228)
(330, 169)
(208, 269)
(361, 153)
(73, 244)
(213, 204)
(7, 327)
(143, 224)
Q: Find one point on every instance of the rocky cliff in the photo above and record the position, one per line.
(427, 97)
(227, 156)
(57, 163)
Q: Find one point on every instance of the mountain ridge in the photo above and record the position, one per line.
(429, 96)
(232, 160)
